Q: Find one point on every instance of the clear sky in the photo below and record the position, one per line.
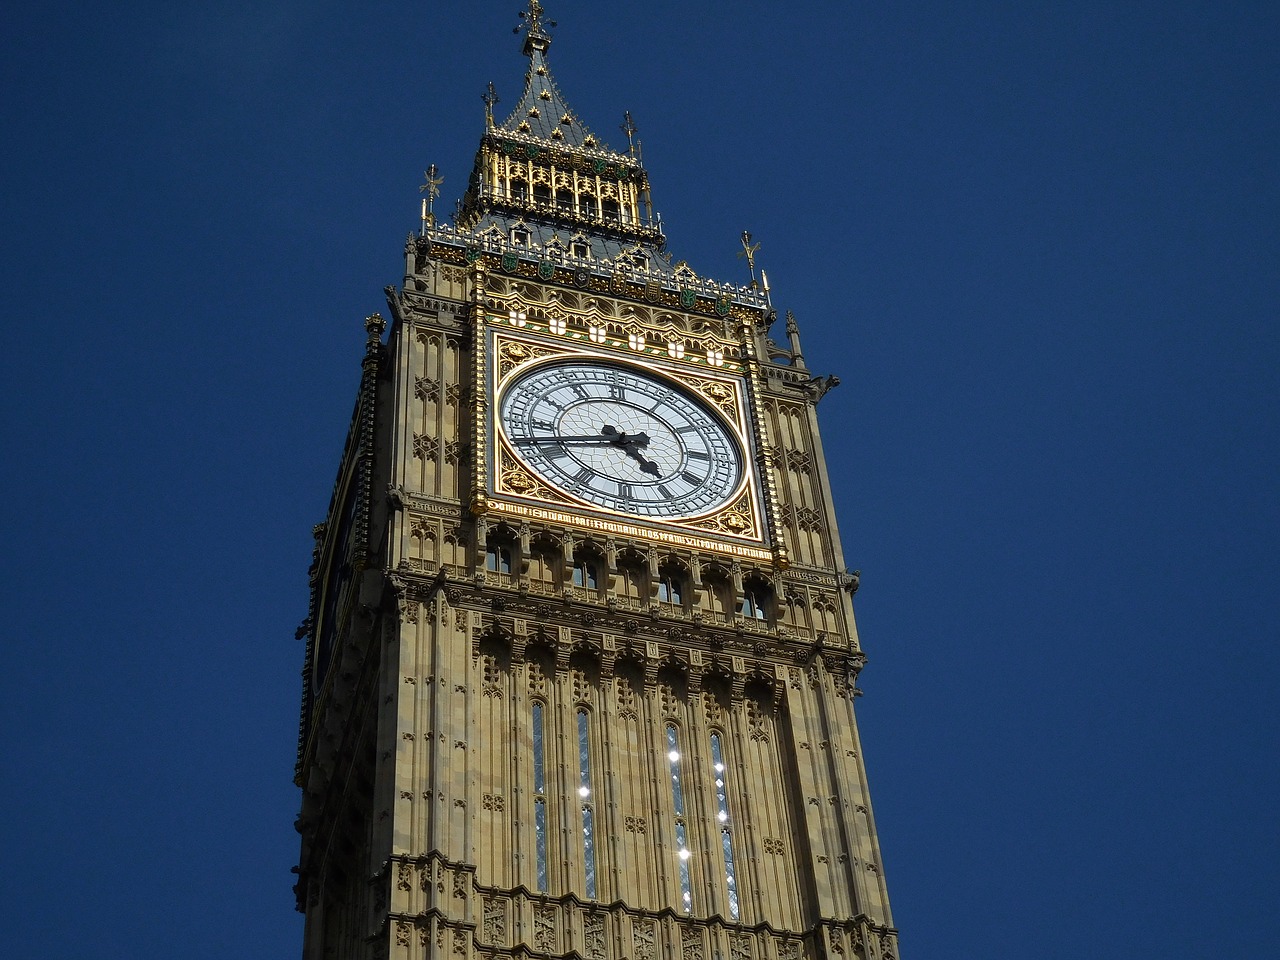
(1036, 241)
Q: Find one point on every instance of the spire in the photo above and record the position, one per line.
(542, 111)
(541, 174)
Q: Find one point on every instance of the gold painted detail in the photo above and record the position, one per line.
(515, 479)
(514, 353)
(739, 519)
(718, 392)
(631, 530)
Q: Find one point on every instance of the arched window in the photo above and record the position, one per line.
(586, 569)
(672, 586)
(544, 563)
(719, 593)
(539, 796)
(757, 599)
(677, 799)
(721, 780)
(497, 556)
(634, 572)
(588, 804)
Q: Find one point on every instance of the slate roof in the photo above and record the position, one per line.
(543, 108)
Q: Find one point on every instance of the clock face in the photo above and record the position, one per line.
(622, 438)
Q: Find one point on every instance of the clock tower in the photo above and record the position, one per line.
(580, 655)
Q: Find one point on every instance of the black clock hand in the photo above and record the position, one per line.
(588, 438)
(646, 465)
(624, 440)
(631, 447)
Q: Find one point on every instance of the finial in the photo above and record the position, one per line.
(490, 97)
(629, 128)
(432, 190)
(793, 341)
(749, 251)
(536, 38)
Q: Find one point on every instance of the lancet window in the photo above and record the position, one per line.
(682, 837)
(726, 827)
(588, 804)
(539, 795)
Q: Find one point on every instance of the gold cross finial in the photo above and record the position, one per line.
(629, 128)
(432, 190)
(749, 251)
(533, 22)
(490, 97)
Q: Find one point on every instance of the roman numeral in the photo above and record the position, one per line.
(690, 479)
(698, 455)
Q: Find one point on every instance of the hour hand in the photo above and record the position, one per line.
(646, 465)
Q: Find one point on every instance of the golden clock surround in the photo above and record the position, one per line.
(735, 528)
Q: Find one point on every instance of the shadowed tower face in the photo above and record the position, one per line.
(581, 650)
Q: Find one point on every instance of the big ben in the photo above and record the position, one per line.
(580, 653)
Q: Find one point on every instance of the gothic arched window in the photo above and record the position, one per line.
(672, 584)
(757, 599)
(587, 567)
(498, 554)
(634, 572)
(721, 780)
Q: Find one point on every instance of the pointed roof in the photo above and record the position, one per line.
(542, 111)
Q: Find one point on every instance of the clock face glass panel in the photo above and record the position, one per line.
(621, 438)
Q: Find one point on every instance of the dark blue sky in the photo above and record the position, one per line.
(1036, 241)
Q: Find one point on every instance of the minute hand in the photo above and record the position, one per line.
(585, 438)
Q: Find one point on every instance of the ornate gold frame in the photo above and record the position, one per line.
(738, 528)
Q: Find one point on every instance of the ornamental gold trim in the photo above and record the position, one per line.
(514, 478)
(516, 489)
(632, 530)
(736, 520)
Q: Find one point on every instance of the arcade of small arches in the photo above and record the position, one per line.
(635, 578)
(624, 576)
(572, 189)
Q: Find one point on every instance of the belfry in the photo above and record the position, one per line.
(580, 651)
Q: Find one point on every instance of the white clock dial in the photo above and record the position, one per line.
(622, 438)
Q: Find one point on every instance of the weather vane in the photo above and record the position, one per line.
(749, 251)
(432, 190)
